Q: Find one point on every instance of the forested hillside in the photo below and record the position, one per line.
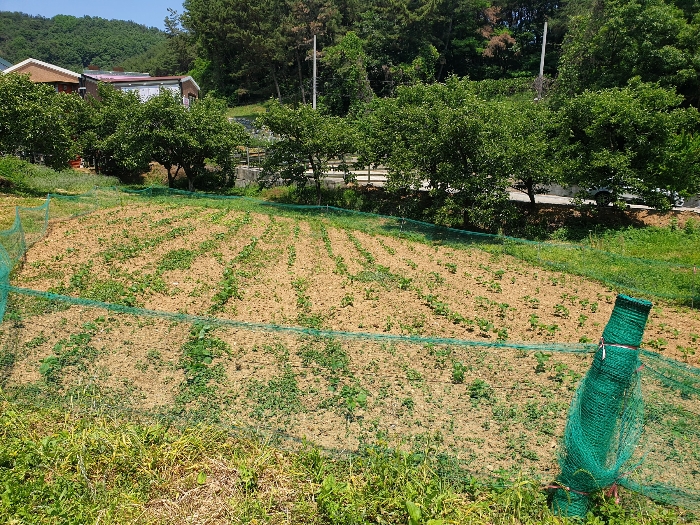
(264, 48)
(74, 43)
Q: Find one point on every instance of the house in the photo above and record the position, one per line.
(63, 80)
(144, 85)
(4, 64)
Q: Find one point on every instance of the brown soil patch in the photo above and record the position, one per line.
(504, 413)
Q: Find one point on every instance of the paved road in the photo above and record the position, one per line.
(557, 199)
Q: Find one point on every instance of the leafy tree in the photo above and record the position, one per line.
(349, 85)
(35, 120)
(174, 56)
(243, 42)
(209, 136)
(164, 130)
(111, 138)
(614, 41)
(306, 139)
(440, 136)
(188, 139)
(635, 138)
(305, 19)
(526, 133)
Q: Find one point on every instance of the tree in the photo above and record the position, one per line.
(349, 86)
(208, 136)
(632, 138)
(305, 138)
(243, 42)
(36, 121)
(112, 136)
(188, 139)
(74, 43)
(525, 146)
(614, 41)
(438, 137)
(164, 130)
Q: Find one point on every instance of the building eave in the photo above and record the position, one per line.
(43, 64)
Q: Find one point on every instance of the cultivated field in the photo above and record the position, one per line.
(499, 408)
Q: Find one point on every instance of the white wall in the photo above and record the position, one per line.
(146, 92)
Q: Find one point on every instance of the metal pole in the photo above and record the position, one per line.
(544, 44)
(313, 105)
(540, 79)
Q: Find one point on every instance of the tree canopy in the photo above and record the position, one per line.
(74, 43)
(37, 121)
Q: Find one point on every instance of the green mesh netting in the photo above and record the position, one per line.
(629, 423)
(606, 416)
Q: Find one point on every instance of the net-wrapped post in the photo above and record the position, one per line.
(592, 455)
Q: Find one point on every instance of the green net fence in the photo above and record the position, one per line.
(117, 309)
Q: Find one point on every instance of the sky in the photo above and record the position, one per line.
(147, 12)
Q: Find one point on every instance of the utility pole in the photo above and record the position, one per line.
(540, 79)
(313, 104)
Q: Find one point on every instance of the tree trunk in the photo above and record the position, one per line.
(301, 78)
(530, 185)
(316, 169)
(277, 86)
(318, 191)
(444, 51)
(171, 178)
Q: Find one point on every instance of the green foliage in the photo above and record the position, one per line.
(446, 135)
(458, 370)
(349, 88)
(198, 392)
(75, 43)
(279, 396)
(307, 139)
(186, 138)
(76, 352)
(609, 43)
(24, 178)
(180, 259)
(35, 121)
(631, 139)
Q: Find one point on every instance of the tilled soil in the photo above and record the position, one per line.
(496, 407)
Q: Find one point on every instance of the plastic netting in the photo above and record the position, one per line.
(633, 421)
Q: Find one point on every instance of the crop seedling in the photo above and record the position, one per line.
(561, 311)
(534, 321)
(347, 300)
(458, 370)
(686, 352)
(479, 390)
(542, 359)
(659, 344)
(280, 396)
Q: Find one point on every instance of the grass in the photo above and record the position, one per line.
(61, 467)
(672, 244)
(31, 180)
(250, 111)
